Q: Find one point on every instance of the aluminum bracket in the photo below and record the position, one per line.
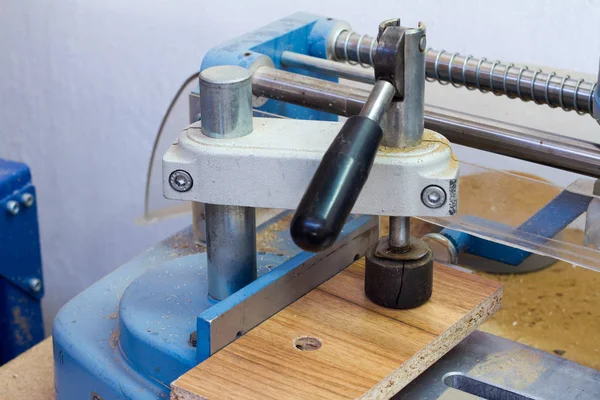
(272, 166)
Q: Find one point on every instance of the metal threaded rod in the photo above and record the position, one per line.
(486, 76)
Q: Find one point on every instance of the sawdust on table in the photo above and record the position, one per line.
(29, 376)
(557, 309)
(266, 239)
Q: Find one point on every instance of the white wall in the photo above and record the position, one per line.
(83, 85)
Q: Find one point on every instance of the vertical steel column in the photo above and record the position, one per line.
(399, 233)
(226, 109)
(404, 123)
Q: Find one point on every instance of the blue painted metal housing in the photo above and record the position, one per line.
(21, 285)
(127, 336)
(301, 33)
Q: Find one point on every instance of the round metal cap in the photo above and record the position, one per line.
(224, 75)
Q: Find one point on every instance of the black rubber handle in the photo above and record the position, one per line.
(331, 194)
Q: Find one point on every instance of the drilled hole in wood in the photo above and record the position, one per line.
(307, 343)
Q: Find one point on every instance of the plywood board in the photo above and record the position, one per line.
(366, 351)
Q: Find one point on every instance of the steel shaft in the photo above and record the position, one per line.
(376, 105)
(231, 248)
(399, 233)
(226, 103)
(342, 70)
(513, 141)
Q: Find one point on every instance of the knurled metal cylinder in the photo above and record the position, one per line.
(226, 109)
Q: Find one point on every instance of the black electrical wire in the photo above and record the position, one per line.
(165, 118)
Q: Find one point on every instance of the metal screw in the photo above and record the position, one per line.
(12, 207)
(27, 199)
(422, 43)
(180, 180)
(433, 196)
(35, 285)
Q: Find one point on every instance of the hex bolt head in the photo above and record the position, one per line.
(35, 285)
(12, 207)
(433, 196)
(180, 180)
(27, 199)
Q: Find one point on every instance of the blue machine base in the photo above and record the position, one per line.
(127, 336)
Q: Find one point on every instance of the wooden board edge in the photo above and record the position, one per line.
(442, 344)
(178, 393)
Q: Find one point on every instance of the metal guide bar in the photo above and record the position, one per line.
(500, 138)
(486, 76)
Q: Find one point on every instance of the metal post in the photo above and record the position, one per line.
(226, 109)
(231, 248)
(404, 122)
(333, 68)
(307, 91)
(399, 233)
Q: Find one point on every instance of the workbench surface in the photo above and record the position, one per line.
(334, 343)
(556, 310)
(29, 376)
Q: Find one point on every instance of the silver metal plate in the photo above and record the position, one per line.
(484, 366)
